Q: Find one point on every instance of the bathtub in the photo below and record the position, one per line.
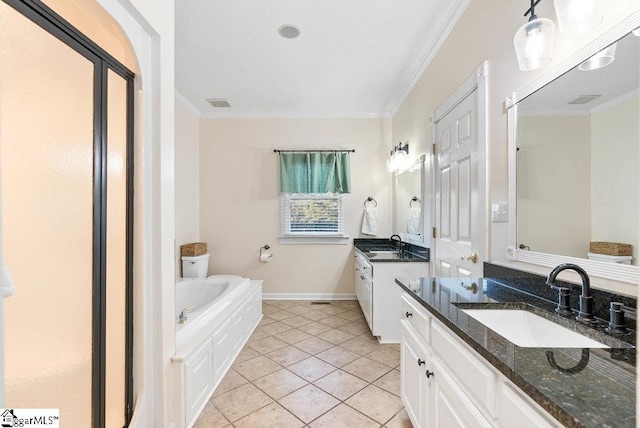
(226, 310)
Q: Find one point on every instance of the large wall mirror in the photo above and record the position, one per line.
(574, 162)
(408, 202)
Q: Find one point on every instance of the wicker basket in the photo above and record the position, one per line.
(193, 249)
(611, 248)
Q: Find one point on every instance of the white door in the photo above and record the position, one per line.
(458, 217)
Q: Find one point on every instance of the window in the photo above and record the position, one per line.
(319, 217)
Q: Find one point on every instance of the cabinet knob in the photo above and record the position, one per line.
(362, 277)
(421, 362)
(429, 374)
(408, 314)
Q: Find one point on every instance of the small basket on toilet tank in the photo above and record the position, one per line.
(195, 267)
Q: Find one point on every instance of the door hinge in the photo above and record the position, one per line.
(433, 232)
(433, 149)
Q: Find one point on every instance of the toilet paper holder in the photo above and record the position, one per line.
(264, 255)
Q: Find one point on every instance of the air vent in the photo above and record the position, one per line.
(583, 99)
(218, 102)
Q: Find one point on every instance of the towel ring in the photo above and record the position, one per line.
(370, 199)
(415, 199)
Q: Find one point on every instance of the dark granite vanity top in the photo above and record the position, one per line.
(600, 393)
(411, 253)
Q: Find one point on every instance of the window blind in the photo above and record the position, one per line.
(312, 215)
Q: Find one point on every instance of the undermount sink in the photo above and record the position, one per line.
(383, 252)
(528, 330)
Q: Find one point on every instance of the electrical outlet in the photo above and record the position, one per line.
(499, 212)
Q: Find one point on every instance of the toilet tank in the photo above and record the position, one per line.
(195, 267)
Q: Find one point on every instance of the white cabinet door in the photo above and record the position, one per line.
(414, 385)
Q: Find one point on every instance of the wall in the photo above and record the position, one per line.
(240, 198)
(485, 32)
(187, 182)
(615, 176)
(553, 154)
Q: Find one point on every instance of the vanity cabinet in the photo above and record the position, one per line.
(444, 382)
(379, 296)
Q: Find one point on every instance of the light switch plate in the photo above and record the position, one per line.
(499, 212)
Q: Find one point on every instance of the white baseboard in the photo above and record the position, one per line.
(308, 296)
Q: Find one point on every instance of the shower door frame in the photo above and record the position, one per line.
(48, 20)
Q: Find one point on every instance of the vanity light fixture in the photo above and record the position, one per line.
(603, 58)
(398, 157)
(534, 40)
(576, 16)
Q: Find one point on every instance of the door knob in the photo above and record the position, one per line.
(473, 257)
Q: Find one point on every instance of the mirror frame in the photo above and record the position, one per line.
(613, 271)
(421, 161)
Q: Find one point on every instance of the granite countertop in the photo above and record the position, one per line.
(601, 394)
(369, 249)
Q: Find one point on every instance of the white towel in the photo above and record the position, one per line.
(370, 220)
(413, 223)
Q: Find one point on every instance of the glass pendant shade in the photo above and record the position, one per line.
(576, 16)
(534, 43)
(603, 58)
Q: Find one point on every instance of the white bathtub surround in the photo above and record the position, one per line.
(222, 312)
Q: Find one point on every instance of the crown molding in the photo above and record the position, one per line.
(616, 101)
(185, 102)
(289, 115)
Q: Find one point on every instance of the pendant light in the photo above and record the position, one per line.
(603, 58)
(534, 41)
(576, 16)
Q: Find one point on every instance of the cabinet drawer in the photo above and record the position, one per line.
(414, 315)
(363, 267)
(518, 410)
(474, 376)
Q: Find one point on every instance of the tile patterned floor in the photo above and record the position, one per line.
(311, 366)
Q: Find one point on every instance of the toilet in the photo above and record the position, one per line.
(197, 267)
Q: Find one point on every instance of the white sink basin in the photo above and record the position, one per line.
(529, 330)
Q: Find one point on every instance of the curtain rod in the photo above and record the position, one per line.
(315, 151)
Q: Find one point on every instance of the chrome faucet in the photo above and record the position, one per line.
(182, 318)
(399, 243)
(585, 314)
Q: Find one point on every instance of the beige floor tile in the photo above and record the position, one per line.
(313, 345)
(390, 382)
(340, 384)
(292, 336)
(266, 345)
(366, 369)
(400, 420)
(299, 310)
(230, 381)
(273, 415)
(278, 384)
(257, 335)
(281, 315)
(337, 356)
(355, 327)
(315, 315)
(269, 309)
(346, 304)
(283, 304)
(355, 315)
(256, 368)
(275, 328)
(265, 321)
(361, 345)
(297, 321)
(394, 346)
(333, 321)
(308, 403)
(376, 403)
(387, 356)
(287, 356)
(321, 306)
(211, 418)
(247, 353)
(241, 401)
(311, 369)
(335, 336)
(333, 310)
(343, 416)
(315, 328)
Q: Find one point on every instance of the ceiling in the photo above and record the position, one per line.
(615, 83)
(356, 58)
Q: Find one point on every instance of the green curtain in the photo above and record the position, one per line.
(315, 172)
